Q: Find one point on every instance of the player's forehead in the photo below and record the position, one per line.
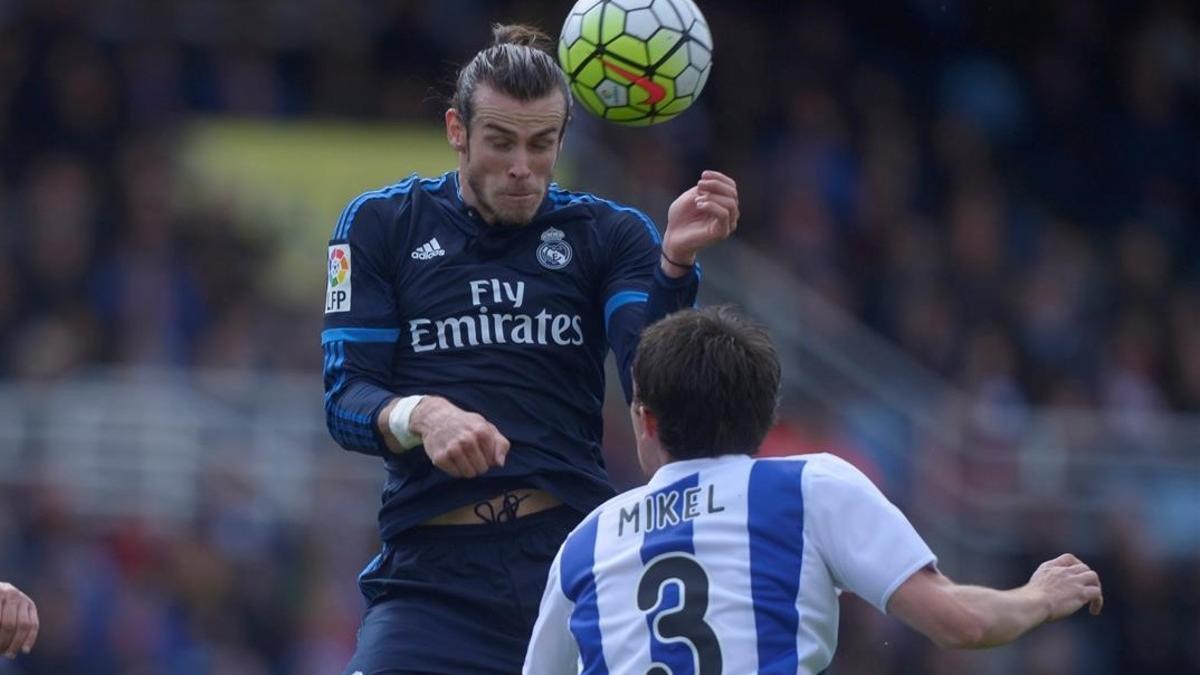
(496, 110)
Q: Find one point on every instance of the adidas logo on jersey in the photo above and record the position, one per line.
(429, 250)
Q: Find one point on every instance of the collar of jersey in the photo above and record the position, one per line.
(669, 473)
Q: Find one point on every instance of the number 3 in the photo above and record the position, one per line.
(687, 621)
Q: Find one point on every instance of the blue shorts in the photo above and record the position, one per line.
(458, 599)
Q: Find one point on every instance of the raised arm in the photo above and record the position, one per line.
(650, 278)
(703, 215)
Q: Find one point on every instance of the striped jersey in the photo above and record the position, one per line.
(722, 565)
(513, 323)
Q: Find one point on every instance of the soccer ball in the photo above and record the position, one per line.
(636, 62)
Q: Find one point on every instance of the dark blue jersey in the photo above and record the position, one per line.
(513, 323)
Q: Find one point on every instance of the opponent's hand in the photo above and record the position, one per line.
(1067, 584)
(461, 443)
(703, 215)
(18, 621)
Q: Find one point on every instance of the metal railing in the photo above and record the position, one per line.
(146, 442)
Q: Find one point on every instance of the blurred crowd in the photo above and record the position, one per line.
(1010, 194)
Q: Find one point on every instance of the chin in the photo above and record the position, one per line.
(515, 219)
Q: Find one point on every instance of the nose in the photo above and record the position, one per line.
(519, 169)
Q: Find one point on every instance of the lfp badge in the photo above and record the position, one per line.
(337, 292)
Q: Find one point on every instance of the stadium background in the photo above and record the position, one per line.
(973, 227)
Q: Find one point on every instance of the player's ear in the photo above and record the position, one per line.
(649, 421)
(456, 131)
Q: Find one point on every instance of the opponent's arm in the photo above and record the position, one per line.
(18, 621)
(956, 616)
(874, 551)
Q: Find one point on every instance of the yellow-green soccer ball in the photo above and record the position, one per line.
(636, 62)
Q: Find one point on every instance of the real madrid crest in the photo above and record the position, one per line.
(554, 253)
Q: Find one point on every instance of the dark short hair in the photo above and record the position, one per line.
(711, 377)
(518, 63)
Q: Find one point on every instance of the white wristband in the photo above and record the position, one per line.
(398, 420)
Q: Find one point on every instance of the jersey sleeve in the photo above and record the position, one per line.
(869, 546)
(361, 327)
(636, 291)
(552, 649)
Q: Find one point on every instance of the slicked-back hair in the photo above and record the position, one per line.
(711, 377)
(519, 64)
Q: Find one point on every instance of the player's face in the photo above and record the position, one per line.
(507, 160)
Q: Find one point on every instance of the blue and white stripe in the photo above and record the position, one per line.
(579, 586)
(775, 528)
(775, 539)
(746, 502)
